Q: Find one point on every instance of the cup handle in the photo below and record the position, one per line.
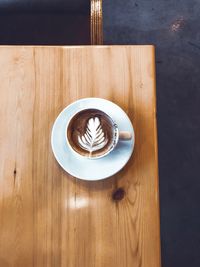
(125, 136)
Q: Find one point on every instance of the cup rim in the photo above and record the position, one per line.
(87, 157)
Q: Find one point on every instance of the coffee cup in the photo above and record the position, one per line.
(93, 134)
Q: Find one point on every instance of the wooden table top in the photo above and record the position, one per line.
(47, 217)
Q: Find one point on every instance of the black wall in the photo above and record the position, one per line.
(173, 26)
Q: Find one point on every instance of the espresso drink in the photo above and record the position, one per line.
(92, 133)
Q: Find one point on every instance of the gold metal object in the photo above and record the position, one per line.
(96, 27)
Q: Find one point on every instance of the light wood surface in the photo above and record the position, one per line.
(47, 217)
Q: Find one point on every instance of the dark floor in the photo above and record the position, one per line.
(174, 28)
(44, 22)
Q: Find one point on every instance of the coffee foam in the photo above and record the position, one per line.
(92, 133)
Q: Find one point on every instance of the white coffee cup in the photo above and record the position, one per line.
(93, 134)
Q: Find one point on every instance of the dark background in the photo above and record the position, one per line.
(43, 22)
(173, 26)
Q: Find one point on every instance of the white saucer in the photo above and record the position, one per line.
(92, 169)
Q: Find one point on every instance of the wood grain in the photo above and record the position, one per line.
(47, 217)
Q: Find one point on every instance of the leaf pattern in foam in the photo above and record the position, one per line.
(94, 137)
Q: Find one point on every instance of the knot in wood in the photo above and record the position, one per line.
(118, 194)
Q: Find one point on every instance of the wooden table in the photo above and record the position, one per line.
(47, 217)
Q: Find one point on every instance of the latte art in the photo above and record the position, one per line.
(94, 137)
(92, 133)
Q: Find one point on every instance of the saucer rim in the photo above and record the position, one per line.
(85, 158)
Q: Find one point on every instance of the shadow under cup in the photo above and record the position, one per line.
(92, 133)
